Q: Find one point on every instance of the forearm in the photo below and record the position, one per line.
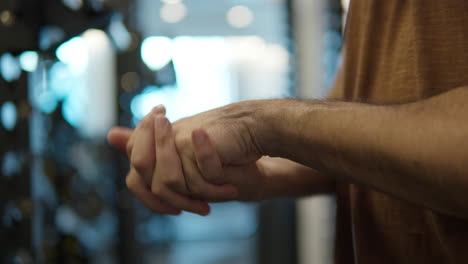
(416, 152)
(285, 178)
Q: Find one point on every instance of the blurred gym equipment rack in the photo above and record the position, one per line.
(29, 230)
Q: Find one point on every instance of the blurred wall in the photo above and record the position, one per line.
(315, 215)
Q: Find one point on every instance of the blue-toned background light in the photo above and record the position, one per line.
(9, 115)
(66, 219)
(62, 81)
(74, 53)
(119, 33)
(11, 163)
(241, 219)
(156, 52)
(49, 36)
(240, 16)
(29, 60)
(47, 103)
(74, 107)
(202, 67)
(9, 67)
(73, 4)
(173, 12)
(11, 214)
(152, 96)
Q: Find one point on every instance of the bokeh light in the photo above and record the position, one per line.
(240, 16)
(28, 61)
(11, 163)
(119, 33)
(9, 115)
(173, 12)
(9, 67)
(151, 96)
(73, 4)
(74, 53)
(171, 1)
(156, 52)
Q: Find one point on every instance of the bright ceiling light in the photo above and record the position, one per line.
(156, 52)
(173, 12)
(240, 16)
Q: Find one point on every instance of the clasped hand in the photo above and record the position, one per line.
(210, 157)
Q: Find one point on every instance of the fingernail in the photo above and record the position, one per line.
(159, 109)
(160, 121)
(199, 137)
(205, 209)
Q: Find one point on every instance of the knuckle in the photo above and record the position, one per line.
(130, 182)
(156, 189)
(174, 181)
(129, 148)
(181, 140)
(196, 190)
(139, 163)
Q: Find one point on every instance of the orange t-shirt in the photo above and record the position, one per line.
(398, 51)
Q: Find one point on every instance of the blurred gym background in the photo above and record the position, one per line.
(72, 69)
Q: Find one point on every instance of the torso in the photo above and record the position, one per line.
(399, 51)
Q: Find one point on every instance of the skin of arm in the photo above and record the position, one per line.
(266, 178)
(416, 151)
(285, 178)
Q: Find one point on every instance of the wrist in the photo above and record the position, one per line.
(289, 128)
(277, 123)
(278, 127)
(265, 126)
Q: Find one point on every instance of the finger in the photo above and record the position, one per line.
(180, 201)
(129, 146)
(170, 167)
(119, 136)
(202, 189)
(143, 150)
(160, 109)
(208, 160)
(143, 193)
(211, 180)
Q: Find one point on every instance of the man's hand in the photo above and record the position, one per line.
(215, 145)
(204, 157)
(153, 138)
(194, 168)
(140, 147)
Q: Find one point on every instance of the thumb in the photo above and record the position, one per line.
(208, 160)
(119, 136)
